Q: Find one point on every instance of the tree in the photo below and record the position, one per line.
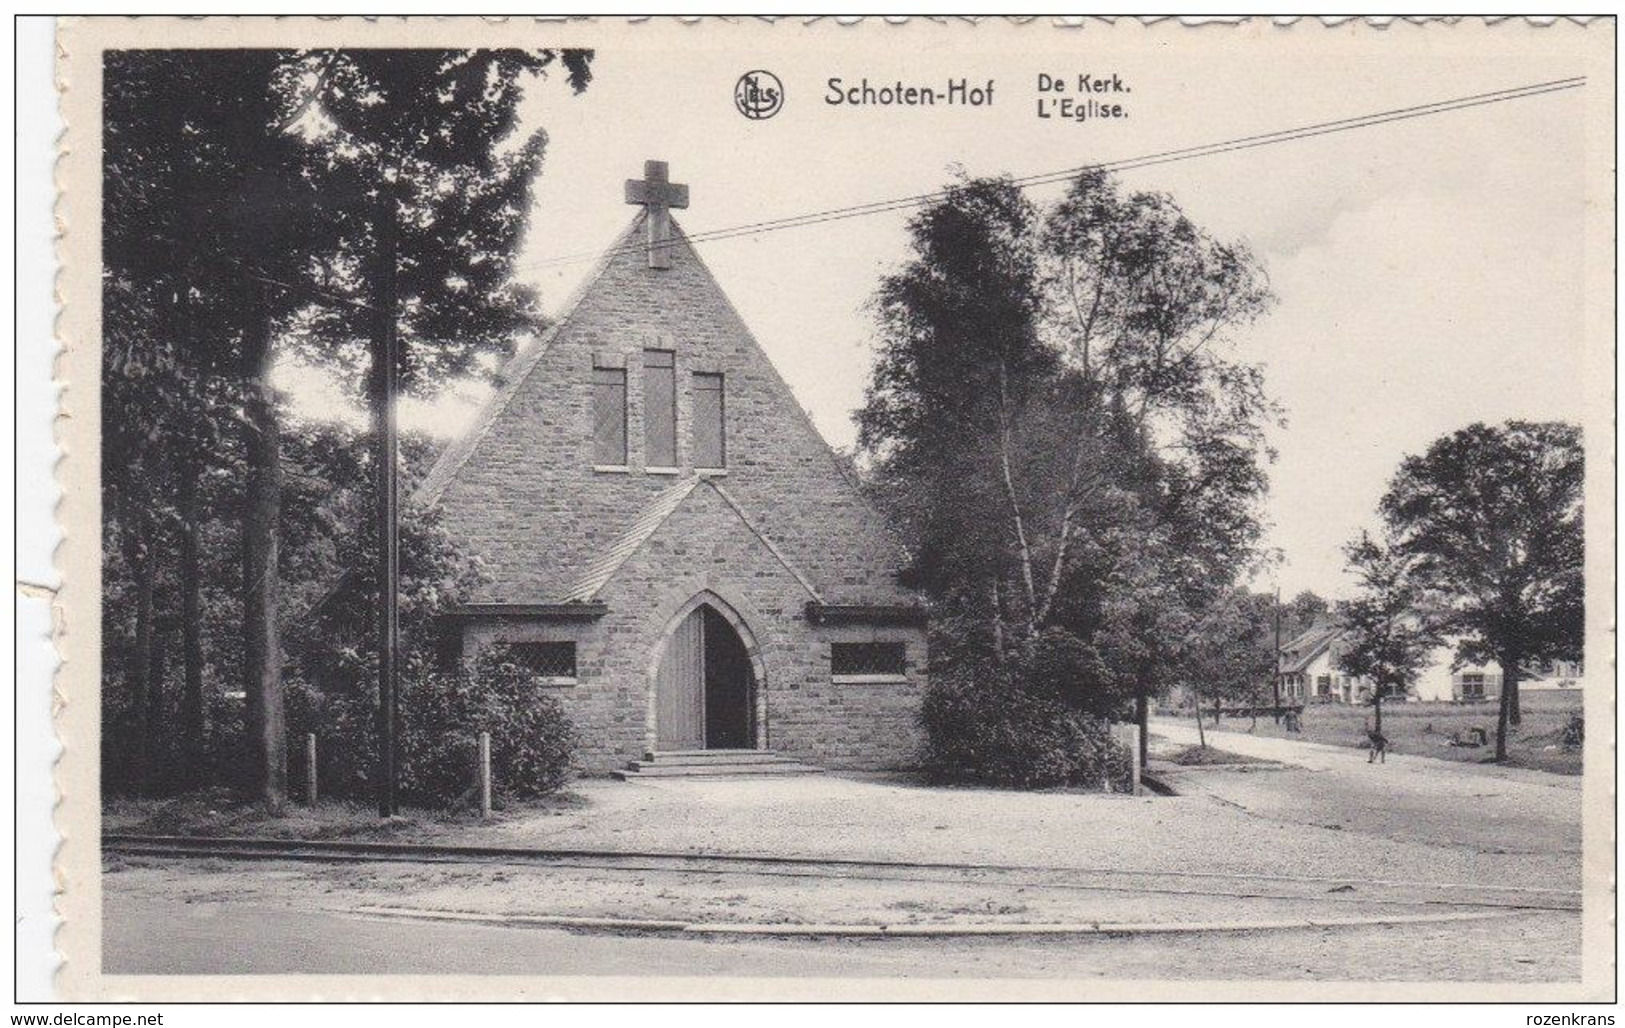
(1493, 518)
(1301, 612)
(1230, 655)
(1387, 637)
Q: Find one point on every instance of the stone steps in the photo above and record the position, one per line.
(714, 764)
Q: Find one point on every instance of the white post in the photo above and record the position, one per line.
(310, 769)
(1128, 734)
(485, 774)
(1134, 763)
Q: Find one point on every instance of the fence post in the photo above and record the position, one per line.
(310, 769)
(1128, 735)
(485, 774)
(1134, 763)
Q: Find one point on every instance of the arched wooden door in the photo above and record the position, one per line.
(704, 686)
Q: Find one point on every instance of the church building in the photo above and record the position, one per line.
(672, 547)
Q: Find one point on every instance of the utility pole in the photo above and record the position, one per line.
(385, 367)
(1277, 675)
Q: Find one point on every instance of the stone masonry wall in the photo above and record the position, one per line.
(705, 552)
(530, 501)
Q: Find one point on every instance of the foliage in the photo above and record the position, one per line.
(1493, 518)
(1058, 427)
(1387, 638)
(532, 740)
(1302, 612)
(1232, 656)
(1057, 665)
(983, 725)
(246, 200)
(443, 711)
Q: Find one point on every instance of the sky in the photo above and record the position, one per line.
(1427, 272)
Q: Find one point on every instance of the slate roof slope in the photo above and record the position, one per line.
(1300, 651)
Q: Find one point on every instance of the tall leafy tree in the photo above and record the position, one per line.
(1387, 635)
(1494, 517)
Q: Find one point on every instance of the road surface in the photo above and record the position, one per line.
(1414, 833)
(1445, 805)
(159, 936)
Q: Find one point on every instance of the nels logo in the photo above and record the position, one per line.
(758, 94)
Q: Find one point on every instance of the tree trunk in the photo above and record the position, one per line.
(1201, 732)
(998, 624)
(142, 686)
(262, 649)
(193, 742)
(161, 774)
(1509, 684)
(1377, 705)
(1509, 692)
(1142, 717)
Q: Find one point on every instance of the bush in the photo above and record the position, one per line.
(984, 725)
(532, 739)
(442, 714)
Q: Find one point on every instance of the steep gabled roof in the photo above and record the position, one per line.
(519, 489)
(1300, 651)
(513, 377)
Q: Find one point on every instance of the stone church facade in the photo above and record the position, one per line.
(672, 547)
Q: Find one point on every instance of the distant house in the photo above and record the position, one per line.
(1308, 667)
(1478, 683)
(1310, 673)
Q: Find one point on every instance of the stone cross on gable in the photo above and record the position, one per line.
(656, 192)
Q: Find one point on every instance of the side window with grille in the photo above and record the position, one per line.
(553, 663)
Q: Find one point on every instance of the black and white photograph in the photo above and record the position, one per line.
(788, 510)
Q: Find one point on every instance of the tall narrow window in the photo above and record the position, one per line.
(659, 409)
(609, 416)
(710, 436)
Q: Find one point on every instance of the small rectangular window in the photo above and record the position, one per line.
(609, 416)
(659, 409)
(869, 658)
(710, 439)
(552, 662)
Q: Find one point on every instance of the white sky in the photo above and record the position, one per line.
(1427, 271)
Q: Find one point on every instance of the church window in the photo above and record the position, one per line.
(867, 660)
(609, 417)
(659, 409)
(553, 663)
(710, 438)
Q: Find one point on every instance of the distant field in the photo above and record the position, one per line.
(1427, 728)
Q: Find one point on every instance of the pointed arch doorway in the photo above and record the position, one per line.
(705, 685)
